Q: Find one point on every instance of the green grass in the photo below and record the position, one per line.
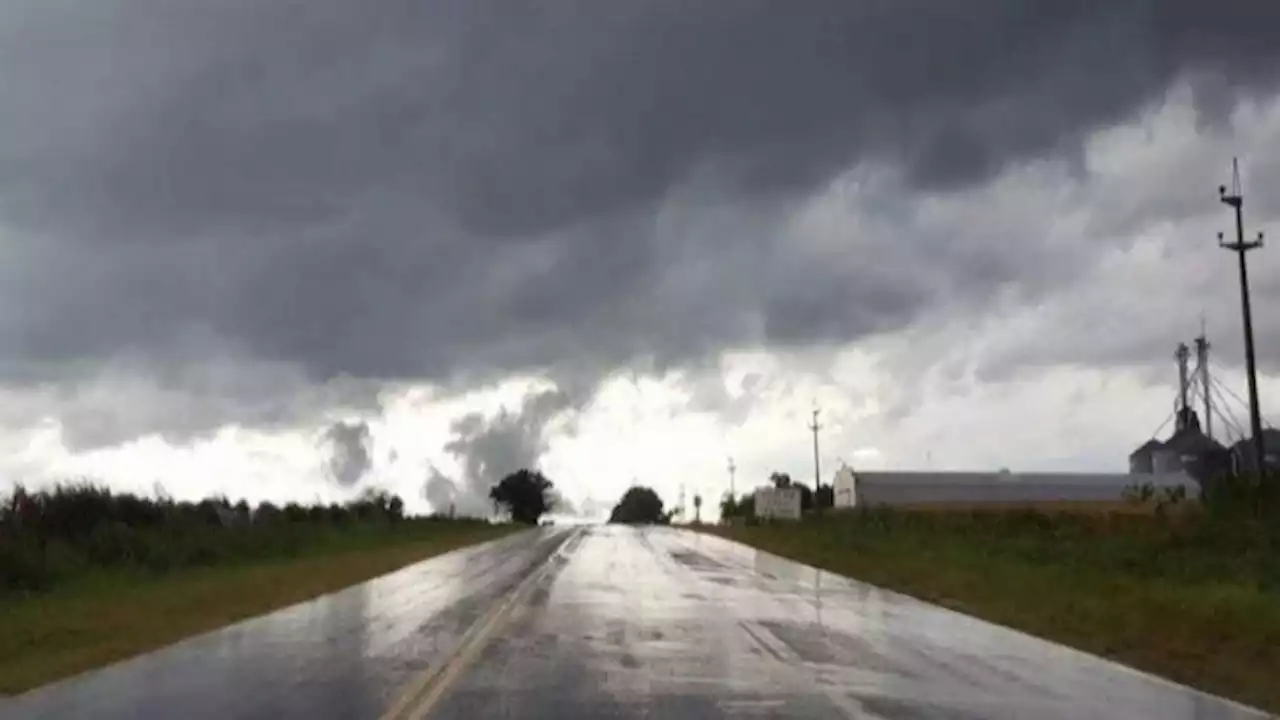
(102, 614)
(1193, 598)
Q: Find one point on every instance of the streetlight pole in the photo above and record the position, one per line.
(1235, 199)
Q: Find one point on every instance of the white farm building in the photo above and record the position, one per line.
(777, 503)
(862, 488)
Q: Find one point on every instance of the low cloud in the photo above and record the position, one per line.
(350, 452)
(561, 504)
(489, 448)
(439, 491)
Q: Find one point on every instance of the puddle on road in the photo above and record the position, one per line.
(697, 561)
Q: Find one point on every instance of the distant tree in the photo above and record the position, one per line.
(806, 496)
(824, 497)
(738, 508)
(377, 504)
(728, 506)
(639, 505)
(293, 512)
(266, 512)
(525, 494)
(780, 479)
(337, 514)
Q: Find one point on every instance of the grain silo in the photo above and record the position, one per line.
(1244, 460)
(1142, 460)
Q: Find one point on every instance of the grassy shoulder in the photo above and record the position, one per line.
(1192, 598)
(105, 614)
(88, 577)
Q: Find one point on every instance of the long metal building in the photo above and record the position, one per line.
(861, 488)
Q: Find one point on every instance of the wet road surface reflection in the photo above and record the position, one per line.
(619, 622)
(659, 622)
(344, 655)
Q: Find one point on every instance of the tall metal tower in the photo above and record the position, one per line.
(1202, 369)
(733, 469)
(817, 474)
(1235, 199)
(1181, 354)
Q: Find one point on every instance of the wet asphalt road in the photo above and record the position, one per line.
(617, 622)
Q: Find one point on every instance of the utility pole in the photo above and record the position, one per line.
(1202, 367)
(732, 470)
(817, 475)
(1235, 199)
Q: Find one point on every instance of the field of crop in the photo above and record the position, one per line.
(88, 577)
(1192, 596)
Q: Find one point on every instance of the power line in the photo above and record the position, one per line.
(1228, 419)
(1166, 422)
(1224, 413)
(1223, 387)
(1265, 421)
(1193, 386)
(1222, 410)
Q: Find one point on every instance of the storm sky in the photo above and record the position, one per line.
(409, 243)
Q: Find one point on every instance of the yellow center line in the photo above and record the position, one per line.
(426, 691)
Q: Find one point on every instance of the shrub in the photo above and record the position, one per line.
(112, 543)
(1139, 493)
(22, 568)
(1243, 496)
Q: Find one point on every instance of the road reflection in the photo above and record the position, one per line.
(622, 622)
(342, 655)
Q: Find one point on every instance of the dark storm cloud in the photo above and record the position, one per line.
(183, 398)
(350, 452)
(428, 189)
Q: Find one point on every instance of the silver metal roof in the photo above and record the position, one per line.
(929, 477)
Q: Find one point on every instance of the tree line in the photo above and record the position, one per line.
(52, 536)
(55, 535)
